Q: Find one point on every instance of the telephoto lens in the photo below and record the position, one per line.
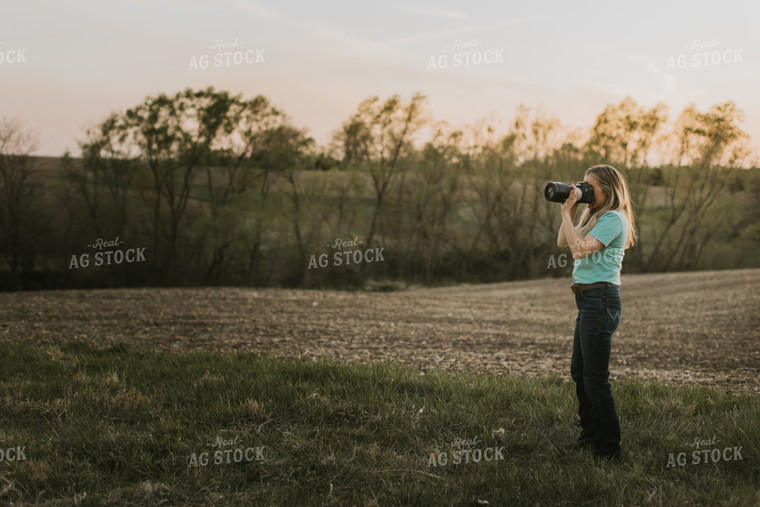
(559, 192)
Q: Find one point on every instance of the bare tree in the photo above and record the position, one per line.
(108, 167)
(233, 168)
(432, 200)
(707, 141)
(623, 134)
(17, 194)
(174, 136)
(376, 138)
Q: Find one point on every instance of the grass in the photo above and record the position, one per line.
(119, 426)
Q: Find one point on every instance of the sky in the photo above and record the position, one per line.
(65, 66)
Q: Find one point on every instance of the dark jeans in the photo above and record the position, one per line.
(599, 312)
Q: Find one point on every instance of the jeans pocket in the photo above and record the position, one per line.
(614, 311)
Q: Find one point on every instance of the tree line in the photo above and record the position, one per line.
(218, 189)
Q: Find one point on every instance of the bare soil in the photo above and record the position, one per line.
(681, 328)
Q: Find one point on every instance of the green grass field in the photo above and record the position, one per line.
(125, 426)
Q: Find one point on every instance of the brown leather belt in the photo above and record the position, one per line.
(577, 287)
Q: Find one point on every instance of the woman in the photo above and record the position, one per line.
(605, 229)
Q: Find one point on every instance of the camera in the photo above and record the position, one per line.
(559, 192)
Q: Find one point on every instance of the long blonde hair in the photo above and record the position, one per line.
(618, 198)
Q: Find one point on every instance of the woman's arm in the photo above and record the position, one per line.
(580, 248)
(561, 240)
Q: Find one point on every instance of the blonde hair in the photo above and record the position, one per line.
(618, 198)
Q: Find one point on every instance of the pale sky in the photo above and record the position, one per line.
(318, 60)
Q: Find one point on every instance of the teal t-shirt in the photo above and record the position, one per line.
(604, 265)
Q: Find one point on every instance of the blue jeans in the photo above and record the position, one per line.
(599, 312)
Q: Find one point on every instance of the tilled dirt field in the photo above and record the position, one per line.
(682, 328)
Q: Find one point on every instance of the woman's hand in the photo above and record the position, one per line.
(571, 203)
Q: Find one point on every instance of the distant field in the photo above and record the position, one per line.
(682, 328)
